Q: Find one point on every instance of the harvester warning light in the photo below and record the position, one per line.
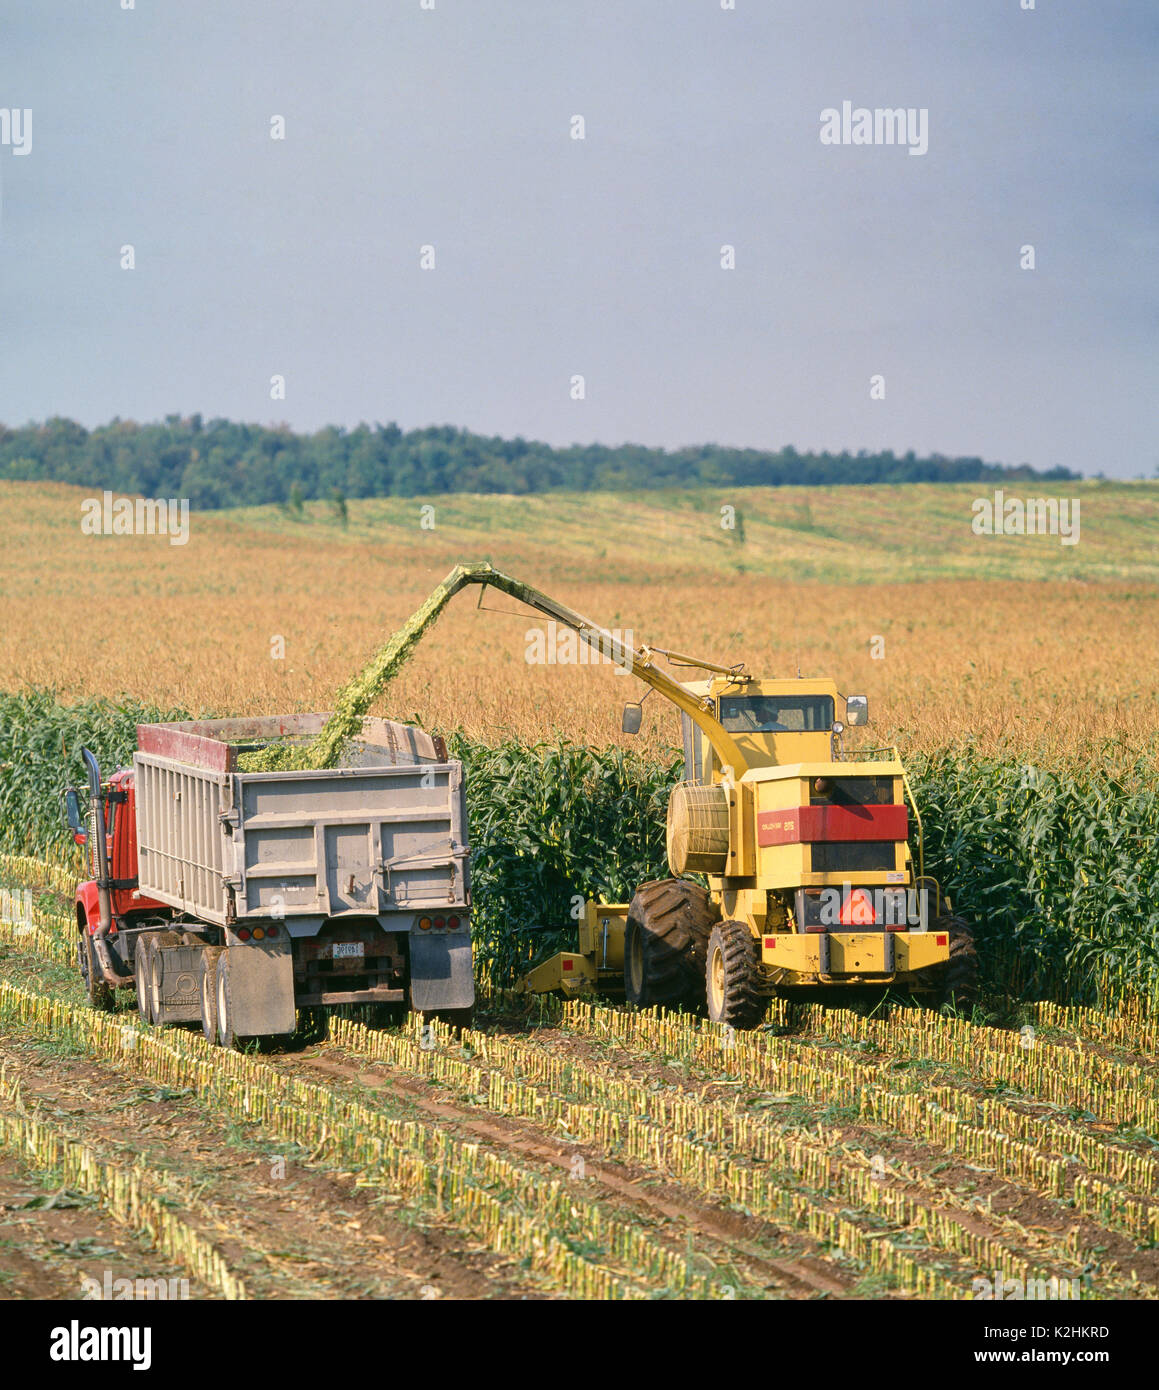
(857, 910)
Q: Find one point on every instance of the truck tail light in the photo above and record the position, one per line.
(453, 923)
(243, 933)
(425, 923)
(440, 923)
(271, 930)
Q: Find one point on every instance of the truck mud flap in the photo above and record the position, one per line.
(441, 975)
(178, 998)
(261, 986)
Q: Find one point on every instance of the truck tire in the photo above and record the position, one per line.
(143, 979)
(957, 980)
(666, 943)
(734, 978)
(207, 982)
(225, 1034)
(101, 997)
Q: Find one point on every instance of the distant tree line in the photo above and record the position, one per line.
(222, 464)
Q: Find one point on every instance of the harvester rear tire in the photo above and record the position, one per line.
(101, 997)
(958, 982)
(735, 985)
(666, 943)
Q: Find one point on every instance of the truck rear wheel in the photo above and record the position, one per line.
(143, 978)
(735, 984)
(666, 942)
(100, 995)
(225, 1034)
(207, 981)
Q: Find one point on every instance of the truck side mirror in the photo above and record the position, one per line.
(633, 717)
(76, 822)
(856, 711)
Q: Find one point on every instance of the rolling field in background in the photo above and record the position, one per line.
(1003, 645)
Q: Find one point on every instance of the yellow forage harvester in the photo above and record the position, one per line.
(813, 884)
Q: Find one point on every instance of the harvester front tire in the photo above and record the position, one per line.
(735, 983)
(958, 985)
(101, 997)
(666, 944)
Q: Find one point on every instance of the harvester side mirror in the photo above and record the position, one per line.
(633, 717)
(856, 711)
(76, 822)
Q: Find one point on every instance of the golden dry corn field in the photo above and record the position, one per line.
(584, 1151)
(1005, 643)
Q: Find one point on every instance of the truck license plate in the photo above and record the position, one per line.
(348, 950)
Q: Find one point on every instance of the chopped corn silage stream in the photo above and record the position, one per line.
(356, 697)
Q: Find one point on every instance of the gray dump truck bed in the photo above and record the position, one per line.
(386, 836)
(342, 885)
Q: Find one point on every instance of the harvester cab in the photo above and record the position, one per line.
(770, 721)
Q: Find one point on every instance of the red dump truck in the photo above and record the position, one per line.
(232, 899)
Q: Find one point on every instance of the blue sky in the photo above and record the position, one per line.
(450, 127)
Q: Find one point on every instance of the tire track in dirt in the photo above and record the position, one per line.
(728, 1235)
(976, 1193)
(47, 1250)
(313, 1233)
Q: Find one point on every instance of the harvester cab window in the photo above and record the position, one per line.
(776, 714)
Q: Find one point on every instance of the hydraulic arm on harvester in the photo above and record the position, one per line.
(641, 661)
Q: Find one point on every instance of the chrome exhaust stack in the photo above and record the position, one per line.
(104, 956)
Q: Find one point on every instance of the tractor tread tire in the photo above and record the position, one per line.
(674, 919)
(745, 996)
(958, 986)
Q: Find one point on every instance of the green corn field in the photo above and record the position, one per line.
(1058, 869)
